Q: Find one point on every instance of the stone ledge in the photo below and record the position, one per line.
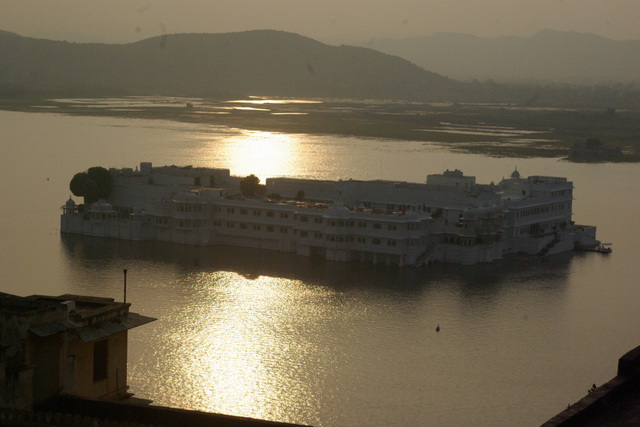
(609, 400)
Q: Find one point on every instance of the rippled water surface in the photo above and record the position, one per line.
(280, 337)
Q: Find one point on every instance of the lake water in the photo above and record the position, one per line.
(279, 337)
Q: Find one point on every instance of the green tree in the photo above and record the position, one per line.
(91, 192)
(250, 186)
(593, 143)
(103, 180)
(78, 184)
(93, 185)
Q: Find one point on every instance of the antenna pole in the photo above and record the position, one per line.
(125, 285)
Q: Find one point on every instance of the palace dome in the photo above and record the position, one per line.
(337, 211)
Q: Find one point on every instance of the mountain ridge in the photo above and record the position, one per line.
(547, 56)
(258, 62)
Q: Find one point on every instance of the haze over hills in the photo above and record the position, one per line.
(261, 62)
(548, 56)
(269, 63)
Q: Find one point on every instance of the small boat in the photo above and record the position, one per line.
(602, 248)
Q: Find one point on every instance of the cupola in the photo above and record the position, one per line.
(515, 174)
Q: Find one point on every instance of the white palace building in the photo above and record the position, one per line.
(450, 218)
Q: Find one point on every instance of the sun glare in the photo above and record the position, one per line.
(245, 358)
(264, 154)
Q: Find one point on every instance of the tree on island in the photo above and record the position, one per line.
(93, 185)
(593, 143)
(250, 186)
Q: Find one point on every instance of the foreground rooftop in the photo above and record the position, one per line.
(616, 403)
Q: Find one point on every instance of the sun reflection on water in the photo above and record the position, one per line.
(247, 346)
(266, 101)
(264, 154)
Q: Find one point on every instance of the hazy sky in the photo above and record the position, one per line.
(330, 21)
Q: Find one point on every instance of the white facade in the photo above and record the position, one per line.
(449, 219)
(453, 178)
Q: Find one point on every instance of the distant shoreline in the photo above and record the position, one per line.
(498, 130)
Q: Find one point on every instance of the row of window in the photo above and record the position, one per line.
(98, 216)
(254, 212)
(471, 241)
(534, 229)
(359, 224)
(364, 240)
(373, 241)
(254, 227)
(468, 241)
(302, 218)
(190, 208)
(541, 210)
(258, 227)
(318, 220)
(258, 212)
(188, 223)
(315, 235)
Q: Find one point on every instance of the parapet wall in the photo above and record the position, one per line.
(615, 403)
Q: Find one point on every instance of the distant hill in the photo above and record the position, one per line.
(548, 56)
(264, 62)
